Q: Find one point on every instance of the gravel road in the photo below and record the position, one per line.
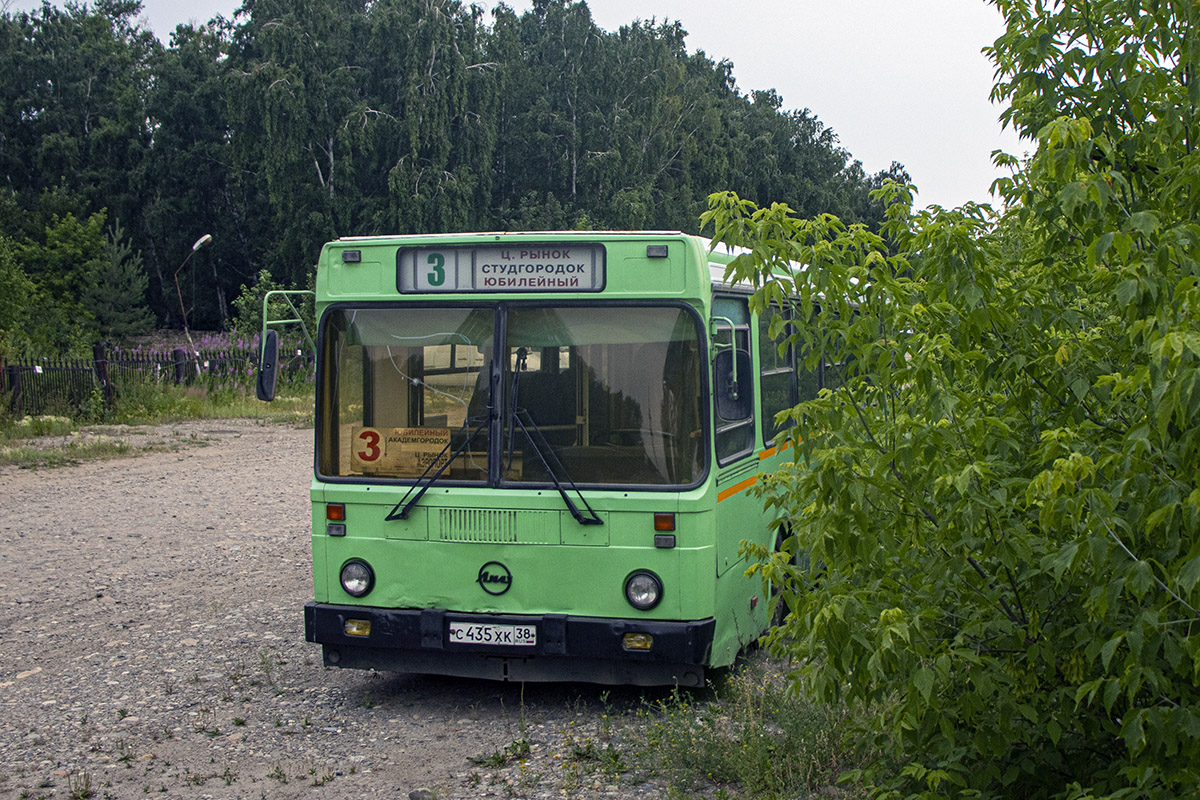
(152, 646)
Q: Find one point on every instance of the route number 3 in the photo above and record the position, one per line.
(371, 450)
(437, 275)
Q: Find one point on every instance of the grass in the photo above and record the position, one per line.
(520, 748)
(80, 786)
(65, 454)
(750, 735)
(51, 440)
(150, 404)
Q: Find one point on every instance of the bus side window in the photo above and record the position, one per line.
(778, 375)
(733, 370)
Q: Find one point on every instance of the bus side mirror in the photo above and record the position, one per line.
(732, 385)
(268, 367)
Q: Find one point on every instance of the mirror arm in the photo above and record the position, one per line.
(716, 322)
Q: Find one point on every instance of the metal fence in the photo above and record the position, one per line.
(71, 386)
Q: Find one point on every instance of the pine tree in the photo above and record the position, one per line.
(116, 289)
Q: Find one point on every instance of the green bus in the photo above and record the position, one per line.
(533, 452)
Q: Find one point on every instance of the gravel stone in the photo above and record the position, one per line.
(152, 646)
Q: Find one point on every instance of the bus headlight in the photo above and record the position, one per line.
(357, 578)
(643, 590)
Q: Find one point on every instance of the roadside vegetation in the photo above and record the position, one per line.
(751, 735)
(747, 735)
(96, 433)
(67, 428)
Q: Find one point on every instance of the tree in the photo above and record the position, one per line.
(74, 104)
(248, 320)
(51, 274)
(548, 76)
(192, 186)
(292, 88)
(303, 120)
(995, 521)
(115, 290)
(427, 123)
(16, 295)
(62, 260)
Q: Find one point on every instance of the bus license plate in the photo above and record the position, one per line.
(501, 635)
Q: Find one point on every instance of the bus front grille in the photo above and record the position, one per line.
(491, 526)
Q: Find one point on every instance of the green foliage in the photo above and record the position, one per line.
(248, 306)
(1001, 505)
(41, 425)
(305, 120)
(68, 286)
(16, 294)
(248, 321)
(72, 107)
(64, 258)
(192, 186)
(115, 289)
(56, 268)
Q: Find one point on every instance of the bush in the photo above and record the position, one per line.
(1001, 505)
(248, 309)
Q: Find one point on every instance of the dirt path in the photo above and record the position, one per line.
(152, 645)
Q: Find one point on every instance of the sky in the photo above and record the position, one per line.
(897, 80)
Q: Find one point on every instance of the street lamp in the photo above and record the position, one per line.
(203, 240)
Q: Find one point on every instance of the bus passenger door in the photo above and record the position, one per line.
(734, 403)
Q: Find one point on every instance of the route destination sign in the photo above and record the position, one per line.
(525, 267)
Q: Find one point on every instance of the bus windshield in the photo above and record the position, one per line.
(601, 395)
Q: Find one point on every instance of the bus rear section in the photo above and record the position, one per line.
(522, 486)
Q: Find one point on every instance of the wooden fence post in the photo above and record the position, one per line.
(100, 365)
(14, 383)
(180, 369)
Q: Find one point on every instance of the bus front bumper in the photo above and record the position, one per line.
(564, 648)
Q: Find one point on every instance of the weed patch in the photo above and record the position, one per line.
(520, 748)
(751, 734)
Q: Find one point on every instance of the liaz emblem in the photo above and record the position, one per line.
(494, 578)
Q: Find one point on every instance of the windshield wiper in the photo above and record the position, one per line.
(422, 485)
(543, 449)
(539, 445)
(522, 363)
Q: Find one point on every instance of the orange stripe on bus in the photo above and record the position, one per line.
(737, 487)
(770, 451)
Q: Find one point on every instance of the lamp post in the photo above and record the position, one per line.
(203, 240)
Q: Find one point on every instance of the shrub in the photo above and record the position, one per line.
(1001, 505)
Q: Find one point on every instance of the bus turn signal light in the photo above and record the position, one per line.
(335, 512)
(664, 522)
